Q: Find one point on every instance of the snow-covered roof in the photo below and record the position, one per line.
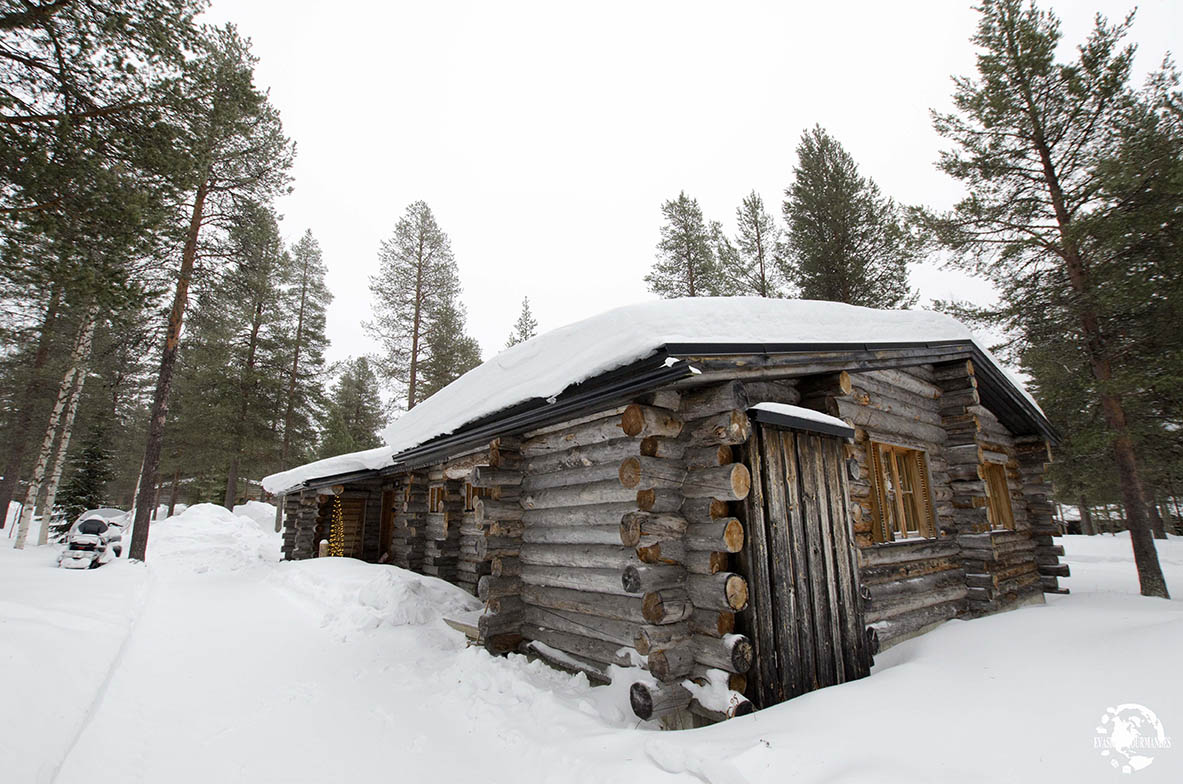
(544, 366)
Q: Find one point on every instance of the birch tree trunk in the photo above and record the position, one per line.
(59, 460)
(78, 356)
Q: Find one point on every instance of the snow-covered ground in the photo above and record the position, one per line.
(217, 662)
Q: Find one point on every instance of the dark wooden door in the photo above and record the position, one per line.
(806, 621)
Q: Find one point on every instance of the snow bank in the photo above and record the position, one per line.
(262, 513)
(544, 366)
(357, 596)
(208, 537)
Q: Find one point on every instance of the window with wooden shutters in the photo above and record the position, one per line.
(901, 498)
(471, 494)
(435, 499)
(998, 502)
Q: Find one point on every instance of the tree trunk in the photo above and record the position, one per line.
(172, 494)
(1087, 527)
(59, 460)
(168, 361)
(291, 403)
(18, 438)
(78, 356)
(1156, 524)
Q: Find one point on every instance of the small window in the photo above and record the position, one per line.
(998, 497)
(471, 494)
(435, 499)
(900, 494)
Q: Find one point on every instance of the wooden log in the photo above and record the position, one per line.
(582, 475)
(645, 578)
(601, 454)
(722, 591)
(595, 431)
(578, 645)
(511, 529)
(624, 608)
(489, 547)
(643, 421)
(668, 399)
(659, 500)
(505, 566)
(703, 562)
(490, 587)
(487, 476)
(900, 380)
(634, 525)
(575, 516)
(618, 632)
(729, 427)
(664, 448)
(596, 672)
(503, 605)
(661, 552)
(593, 580)
(650, 701)
(493, 625)
(703, 510)
(732, 653)
(725, 534)
(894, 630)
(708, 456)
(713, 623)
(486, 510)
(569, 534)
(639, 472)
(727, 483)
(590, 556)
(831, 385)
(650, 638)
(666, 606)
(740, 706)
(704, 402)
(595, 493)
(670, 663)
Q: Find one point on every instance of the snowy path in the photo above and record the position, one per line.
(241, 669)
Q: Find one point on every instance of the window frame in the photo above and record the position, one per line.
(1000, 508)
(889, 518)
(435, 499)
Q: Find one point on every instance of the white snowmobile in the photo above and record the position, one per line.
(95, 538)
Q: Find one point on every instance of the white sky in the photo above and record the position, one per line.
(545, 136)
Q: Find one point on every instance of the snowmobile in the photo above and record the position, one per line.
(95, 538)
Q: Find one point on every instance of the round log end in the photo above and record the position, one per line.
(630, 529)
(717, 508)
(744, 708)
(742, 654)
(650, 554)
(641, 700)
(652, 608)
(726, 625)
(646, 499)
(741, 481)
(632, 421)
(630, 472)
(650, 446)
(478, 510)
(659, 665)
(736, 590)
(733, 535)
(630, 580)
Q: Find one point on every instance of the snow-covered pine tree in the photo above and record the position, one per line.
(305, 299)
(416, 280)
(524, 328)
(687, 264)
(449, 352)
(354, 411)
(845, 242)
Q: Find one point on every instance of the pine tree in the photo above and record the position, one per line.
(1032, 140)
(449, 352)
(754, 269)
(524, 328)
(306, 299)
(687, 263)
(354, 411)
(846, 242)
(416, 280)
(90, 473)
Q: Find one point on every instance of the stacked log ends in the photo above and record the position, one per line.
(651, 700)
(498, 544)
(410, 521)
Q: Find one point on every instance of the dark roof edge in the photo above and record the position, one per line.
(800, 423)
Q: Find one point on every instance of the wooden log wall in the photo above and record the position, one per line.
(908, 586)
(410, 520)
(999, 564)
(1033, 454)
(498, 545)
(441, 550)
(372, 524)
(299, 533)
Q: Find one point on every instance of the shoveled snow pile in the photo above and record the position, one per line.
(358, 596)
(208, 537)
(545, 365)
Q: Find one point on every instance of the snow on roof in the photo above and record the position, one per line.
(544, 366)
(798, 412)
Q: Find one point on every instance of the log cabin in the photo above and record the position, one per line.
(729, 501)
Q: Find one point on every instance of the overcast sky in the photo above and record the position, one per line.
(545, 136)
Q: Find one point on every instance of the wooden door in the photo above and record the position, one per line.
(353, 509)
(806, 621)
(386, 531)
